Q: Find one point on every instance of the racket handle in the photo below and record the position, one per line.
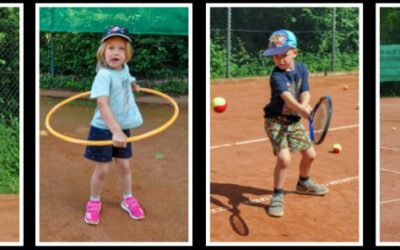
(311, 127)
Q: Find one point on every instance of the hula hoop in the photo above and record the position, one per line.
(109, 142)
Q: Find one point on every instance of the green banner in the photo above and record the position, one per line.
(390, 63)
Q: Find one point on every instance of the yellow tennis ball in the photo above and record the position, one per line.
(394, 128)
(44, 133)
(219, 104)
(336, 148)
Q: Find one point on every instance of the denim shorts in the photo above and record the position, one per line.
(106, 153)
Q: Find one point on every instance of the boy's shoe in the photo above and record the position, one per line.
(92, 214)
(275, 209)
(131, 205)
(311, 188)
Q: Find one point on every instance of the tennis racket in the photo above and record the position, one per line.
(320, 119)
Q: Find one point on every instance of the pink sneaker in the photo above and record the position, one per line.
(92, 215)
(131, 205)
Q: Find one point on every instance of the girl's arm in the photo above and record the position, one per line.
(119, 138)
(135, 86)
(295, 105)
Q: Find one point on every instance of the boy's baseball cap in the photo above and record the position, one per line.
(279, 42)
(116, 31)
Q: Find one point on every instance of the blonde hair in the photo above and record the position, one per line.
(101, 51)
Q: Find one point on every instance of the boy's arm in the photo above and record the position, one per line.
(295, 105)
(305, 100)
(119, 138)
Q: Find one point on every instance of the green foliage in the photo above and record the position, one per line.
(9, 157)
(156, 59)
(389, 26)
(313, 27)
(9, 63)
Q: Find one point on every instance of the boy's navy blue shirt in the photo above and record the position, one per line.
(295, 81)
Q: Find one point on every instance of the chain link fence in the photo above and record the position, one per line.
(328, 38)
(9, 64)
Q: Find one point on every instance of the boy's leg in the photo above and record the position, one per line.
(305, 185)
(282, 164)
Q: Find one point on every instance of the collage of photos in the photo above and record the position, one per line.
(119, 158)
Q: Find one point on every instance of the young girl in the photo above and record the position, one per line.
(115, 115)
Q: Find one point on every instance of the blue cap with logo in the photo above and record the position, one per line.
(116, 31)
(279, 42)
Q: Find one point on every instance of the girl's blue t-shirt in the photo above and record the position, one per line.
(294, 81)
(116, 84)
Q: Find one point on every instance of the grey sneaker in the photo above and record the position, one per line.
(275, 209)
(311, 188)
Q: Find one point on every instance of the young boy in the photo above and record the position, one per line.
(289, 102)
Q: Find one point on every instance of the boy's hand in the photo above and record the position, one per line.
(119, 139)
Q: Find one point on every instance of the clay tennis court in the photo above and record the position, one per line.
(389, 169)
(242, 163)
(9, 218)
(161, 185)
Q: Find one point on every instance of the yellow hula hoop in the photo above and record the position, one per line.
(109, 142)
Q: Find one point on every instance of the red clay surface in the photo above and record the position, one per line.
(9, 218)
(160, 185)
(242, 174)
(389, 169)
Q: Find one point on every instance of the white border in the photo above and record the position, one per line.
(190, 237)
(21, 126)
(378, 129)
(360, 135)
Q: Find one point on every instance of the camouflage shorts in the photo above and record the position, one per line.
(292, 136)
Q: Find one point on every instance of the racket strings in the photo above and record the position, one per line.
(320, 120)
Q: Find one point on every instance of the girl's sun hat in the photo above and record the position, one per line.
(116, 31)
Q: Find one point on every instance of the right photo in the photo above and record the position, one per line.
(388, 111)
(284, 108)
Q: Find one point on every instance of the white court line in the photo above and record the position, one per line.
(390, 171)
(268, 197)
(394, 172)
(266, 139)
(390, 148)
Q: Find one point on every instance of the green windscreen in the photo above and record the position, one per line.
(389, 63)
(138, 20)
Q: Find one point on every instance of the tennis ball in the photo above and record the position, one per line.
(336, 148)
(44, 133)
(159, 156)
(345, 87)
(394, 128)
(219, 104)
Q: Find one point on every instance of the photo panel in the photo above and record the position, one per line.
(268, 66)
(114, 168)
(387, 119)
(11, 125)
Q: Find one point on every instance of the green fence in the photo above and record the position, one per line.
(328, 38)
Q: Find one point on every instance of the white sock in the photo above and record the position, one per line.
(128, 195)
(95, 198)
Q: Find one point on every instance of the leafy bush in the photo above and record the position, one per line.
(9, 157)
(159, 59)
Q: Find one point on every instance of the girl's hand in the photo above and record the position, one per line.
(135, 87)
(119, 139)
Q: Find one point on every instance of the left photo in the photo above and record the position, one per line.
(11, 124)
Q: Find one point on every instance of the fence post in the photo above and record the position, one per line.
(52, 66)
(228, 45)
(333, 40)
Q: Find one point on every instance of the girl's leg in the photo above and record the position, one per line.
(281, 167)
(97, 179)
(307, 159)
(129, 203)
(125, 176)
